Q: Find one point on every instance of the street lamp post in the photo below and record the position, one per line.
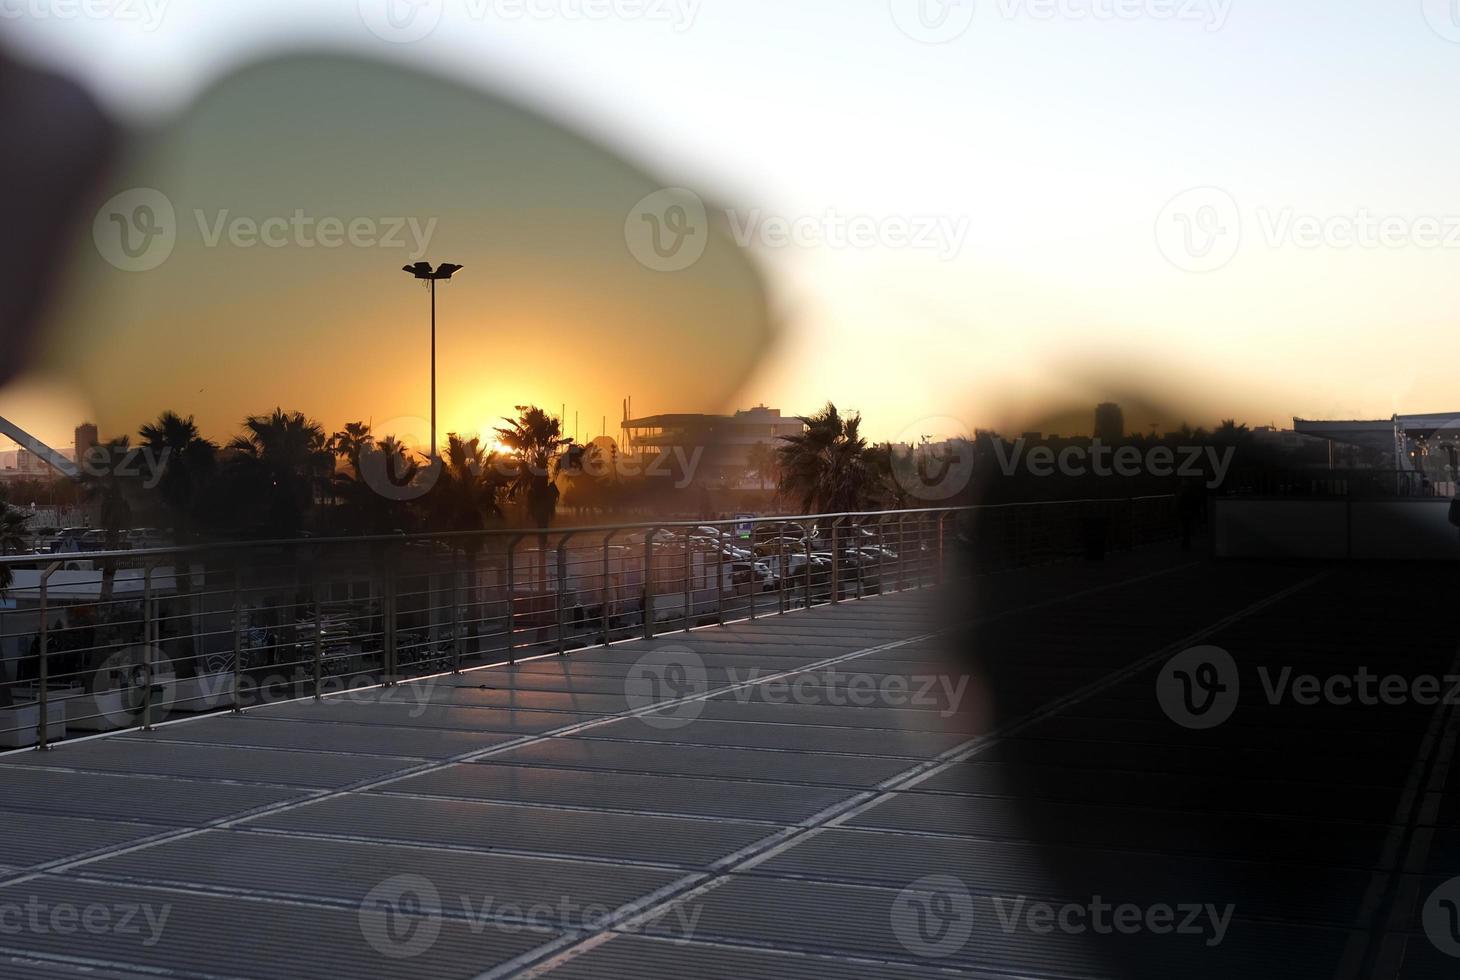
(422, 270)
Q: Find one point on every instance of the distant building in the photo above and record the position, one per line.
(719, 447)
(85, 438)
(1109, 423)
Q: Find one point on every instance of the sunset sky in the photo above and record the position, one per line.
(1052, 146)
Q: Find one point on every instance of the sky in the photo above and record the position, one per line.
(1204, 209)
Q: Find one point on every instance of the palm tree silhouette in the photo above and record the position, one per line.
(350, 442)
(762, 459)
(827, 468)
(536, 440)
(188, 463)
(12, 536)
(284, 457)
(105, 488)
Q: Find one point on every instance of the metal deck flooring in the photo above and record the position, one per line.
(540, 821)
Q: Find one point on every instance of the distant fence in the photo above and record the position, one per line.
(1335, 483)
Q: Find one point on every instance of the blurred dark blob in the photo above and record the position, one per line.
(58, 144)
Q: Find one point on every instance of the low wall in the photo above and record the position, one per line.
(1370, 530)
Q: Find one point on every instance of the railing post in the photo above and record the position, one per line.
(43, 670)
(836, 562)
(688, 580)
(810, 565)
(237, 641)
(603, 589)
(720, 573)
(388, 619)
(942, 562)
(562, 594)
(901, 550)
(455, 618)
(781, 569)
(148, 626)
(649, 583)
(754, 579)
(318, 643)
(512, 599)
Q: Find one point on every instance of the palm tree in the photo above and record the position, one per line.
(107, 490)
(12, 536)
(188, 463)
(536, 440)
(762, 460)
(826, 469)
(283, 457)
(350, 442)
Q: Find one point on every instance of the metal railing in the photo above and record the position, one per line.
(120, 640)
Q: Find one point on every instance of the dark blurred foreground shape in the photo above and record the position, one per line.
(58, 145)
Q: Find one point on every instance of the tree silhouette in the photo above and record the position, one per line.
(536, 441)
(350, 442)
(105, 488)
(826, 469)
(283, 458)
(188, 463)
(12, 536)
